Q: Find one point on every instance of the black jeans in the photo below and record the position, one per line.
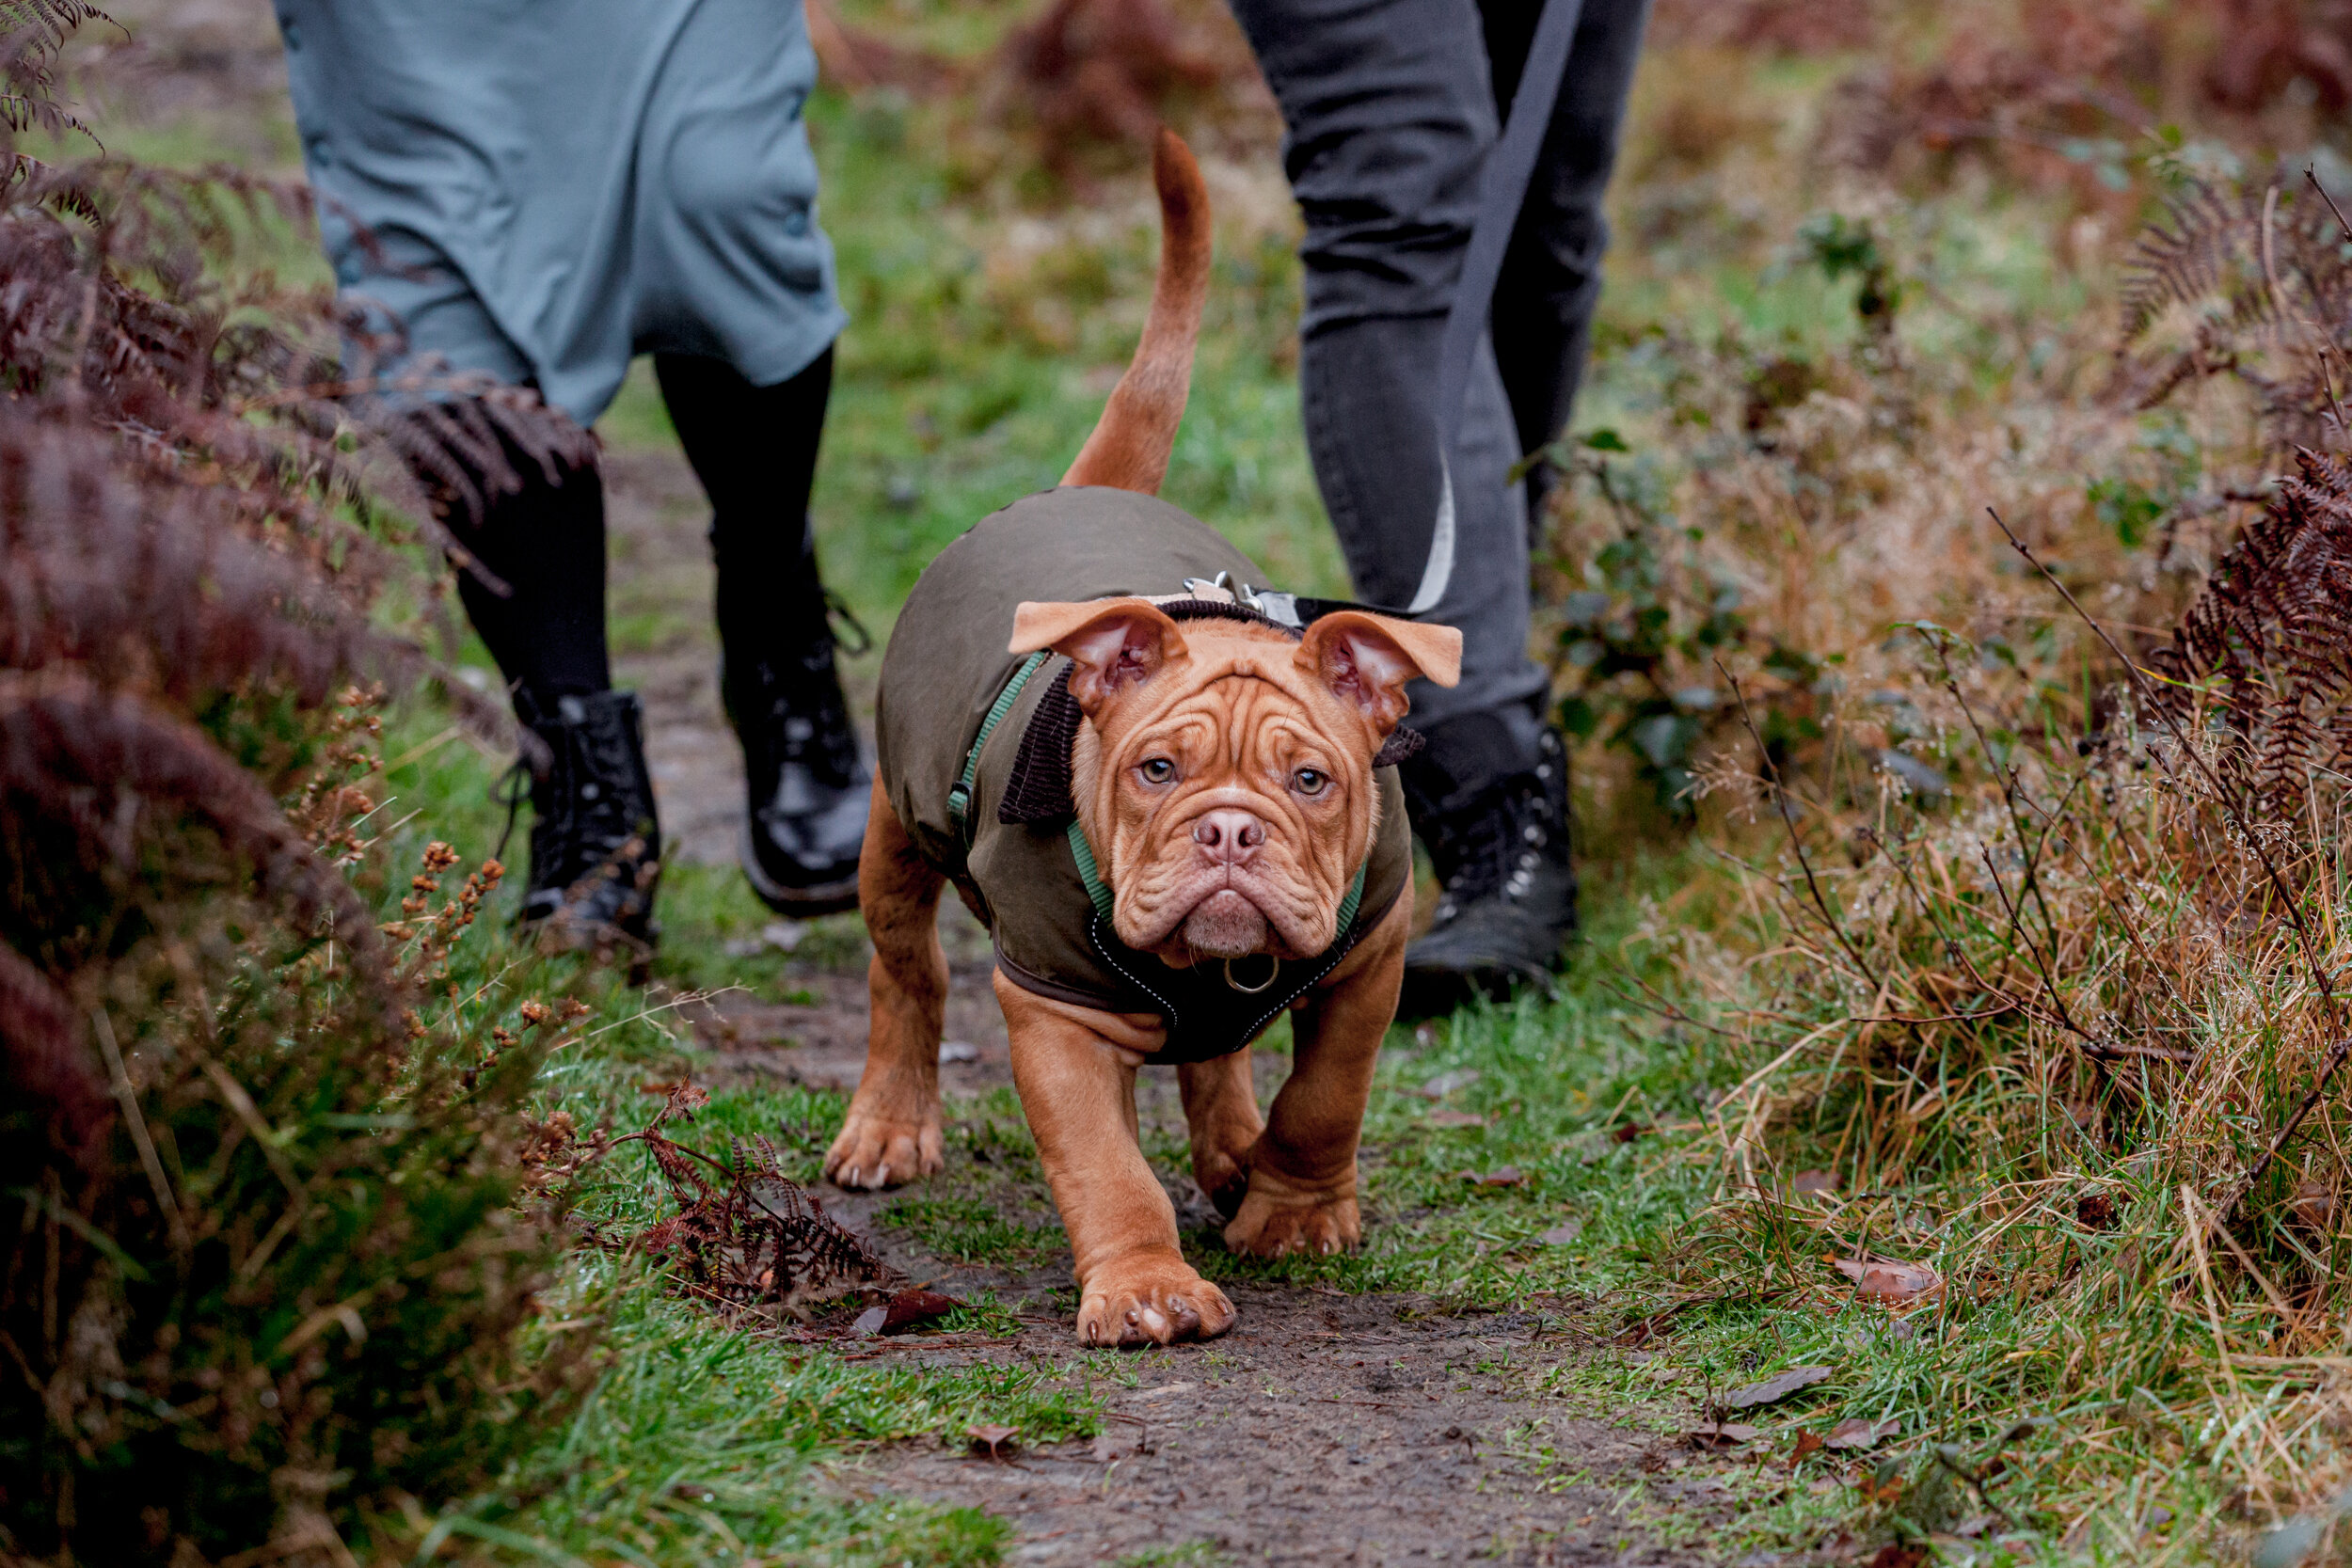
(1389, 107)
(754, 448)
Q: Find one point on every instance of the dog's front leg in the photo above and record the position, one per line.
(1075, 1068)
(892, 1134)
(1302, 1175)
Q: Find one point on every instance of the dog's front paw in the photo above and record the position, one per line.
(1152, 1297)
(877, 1151)
(1271, 1224)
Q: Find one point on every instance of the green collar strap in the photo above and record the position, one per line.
(960, 793)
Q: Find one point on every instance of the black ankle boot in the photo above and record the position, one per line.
(806, 786)
(596, 845)
(1508, 899)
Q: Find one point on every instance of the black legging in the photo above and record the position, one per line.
(754, 448)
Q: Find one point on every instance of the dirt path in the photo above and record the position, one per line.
(1326, 1429)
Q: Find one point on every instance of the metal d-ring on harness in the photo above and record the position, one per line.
(1089, 872)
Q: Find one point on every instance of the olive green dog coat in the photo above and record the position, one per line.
(1010, 854)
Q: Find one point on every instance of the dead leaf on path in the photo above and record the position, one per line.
(1807, 1442)
(870, 1320)
(1563, 1233)
(1890, 1280)
(1501, 1176)
(1813, 1183)
(913, 1309)
(1776, 1388)
(1453, 1119)
(990, 1437)
(1717, 1436)
(1855, 1432)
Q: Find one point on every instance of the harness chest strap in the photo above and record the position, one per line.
(960, 793)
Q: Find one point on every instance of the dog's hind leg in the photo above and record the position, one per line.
(893, 1131)
(1221, 1112)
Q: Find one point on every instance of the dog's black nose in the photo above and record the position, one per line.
(1228, 837)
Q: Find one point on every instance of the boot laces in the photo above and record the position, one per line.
(811, 716)
(1496, 847)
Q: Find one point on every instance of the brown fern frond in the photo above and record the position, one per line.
(41, 1042)
(2263, 660)
(2263, 275)
(106, 765)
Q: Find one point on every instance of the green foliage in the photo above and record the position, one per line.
(1640, 641)
(1841, 246)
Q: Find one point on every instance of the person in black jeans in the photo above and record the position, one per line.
(1389, 108)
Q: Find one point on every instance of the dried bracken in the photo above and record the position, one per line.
(2259, 669)
(2253, 284)
(753, 1241)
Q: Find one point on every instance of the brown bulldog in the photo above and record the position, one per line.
(1164, 797)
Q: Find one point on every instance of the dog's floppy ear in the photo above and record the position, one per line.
(1366, 659)
(1115, 644)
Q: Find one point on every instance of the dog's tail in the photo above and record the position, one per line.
(1131, 442)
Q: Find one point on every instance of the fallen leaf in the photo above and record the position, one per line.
(2313, 1204)
(1855, 1432)
(1446, 1083)
(1814, 1183)
(1453, 1119)
(1501, 1176)
(991, 1437)
(1631, 1131)
(871, 1319)
(2095, 1211)
(1889, 1280)
(1775, 1388)
(1563, 1233)
(913, 1309)
(1807, 1442)
(1719, 1435)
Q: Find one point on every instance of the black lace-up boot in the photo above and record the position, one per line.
(806, 785)
(595, 846)
(1507, 898)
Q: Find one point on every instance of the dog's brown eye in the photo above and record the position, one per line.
(1157, 770)
(1307, 781)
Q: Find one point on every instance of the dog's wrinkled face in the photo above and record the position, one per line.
(1224, 774)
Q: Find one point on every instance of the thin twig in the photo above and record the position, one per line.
(1796, 841)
